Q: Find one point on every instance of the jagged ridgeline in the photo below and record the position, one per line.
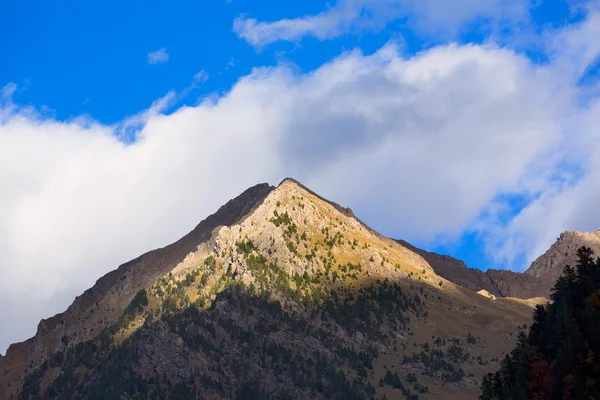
(292, 298)
(559, 357)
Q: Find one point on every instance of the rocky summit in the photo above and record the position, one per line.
(279, 294)
(549, 266)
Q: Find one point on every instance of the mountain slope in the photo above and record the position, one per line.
(500, 283)
(281, 293)
(104, 303)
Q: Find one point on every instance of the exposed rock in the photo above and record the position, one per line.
(487, 294)
(549, 266)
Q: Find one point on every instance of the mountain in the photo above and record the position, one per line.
(549, 266)
(279, 294)
(499, 283)
(536, 282)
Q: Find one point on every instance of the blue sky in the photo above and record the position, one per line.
(466, 128)
(91, 57)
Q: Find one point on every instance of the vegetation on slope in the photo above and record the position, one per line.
(245, 345)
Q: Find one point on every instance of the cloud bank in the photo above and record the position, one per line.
(423, 147)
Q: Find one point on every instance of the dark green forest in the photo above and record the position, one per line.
(558, 357)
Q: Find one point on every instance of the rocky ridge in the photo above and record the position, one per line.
(500, 283)
(536, 282)
(549, 266)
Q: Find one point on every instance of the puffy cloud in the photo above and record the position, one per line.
(566, 201)
(430, 16)
(158, 57)
(421, 147)
(561, 192)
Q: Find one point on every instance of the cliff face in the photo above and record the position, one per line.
(274, 295)
(516, 284)
(549, 266)
(500, 283)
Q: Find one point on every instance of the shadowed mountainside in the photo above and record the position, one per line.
(500, 283)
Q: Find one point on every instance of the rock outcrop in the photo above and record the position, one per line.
(549, 266)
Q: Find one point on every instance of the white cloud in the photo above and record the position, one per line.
(567, 201)
(430, 16)
(418, 146)
(575, 47)
(8, 90)
(158, 57)
(201, 77)
(564, 198)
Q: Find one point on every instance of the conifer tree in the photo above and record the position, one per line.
(557, 359)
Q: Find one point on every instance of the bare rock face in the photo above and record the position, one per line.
(516, 284)
(549, 266)
(487, 294)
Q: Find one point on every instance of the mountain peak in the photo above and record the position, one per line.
(549, 266)
(283, 266)
(289, 180)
